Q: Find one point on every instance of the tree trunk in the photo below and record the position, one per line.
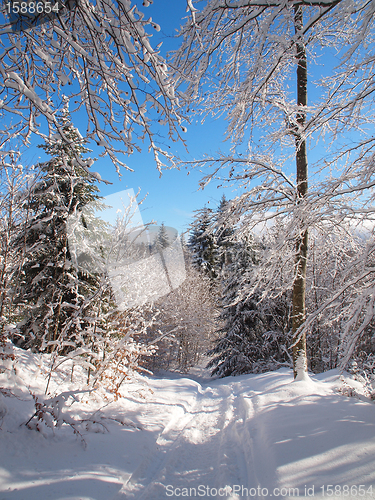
(299, 285)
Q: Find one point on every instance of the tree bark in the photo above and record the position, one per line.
(299, 284)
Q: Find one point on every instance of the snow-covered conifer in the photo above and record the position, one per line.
(254, 333)
(50, 293)
(162, 240)
(224, 233)
(202, 243)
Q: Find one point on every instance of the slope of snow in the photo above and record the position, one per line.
(254, 436)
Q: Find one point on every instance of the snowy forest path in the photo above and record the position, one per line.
(206, 444)
(186, 438)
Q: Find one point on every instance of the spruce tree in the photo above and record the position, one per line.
(162, 240)
(51, 291)
(224, 235)
(202, 243)
(254, 333)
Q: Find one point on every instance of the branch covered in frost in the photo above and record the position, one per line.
(99, 57)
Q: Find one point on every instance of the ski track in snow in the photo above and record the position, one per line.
(208, 444)
(174, 459)
(225, 438)
(255, 431)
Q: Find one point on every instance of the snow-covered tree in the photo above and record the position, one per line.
(254, 335)
(50, 292)
(249, 61)
(340, 323)
(186, 322)
(99, 56)
(162, 240)
(224, 232)
(16, 181)
(331, 252)
(202, 244)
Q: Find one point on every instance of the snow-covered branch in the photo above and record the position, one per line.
(99, 57)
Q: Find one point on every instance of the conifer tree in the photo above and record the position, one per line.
(224, 233)
(202, 243)
(253, 337)
(162, 238)
(51, 292)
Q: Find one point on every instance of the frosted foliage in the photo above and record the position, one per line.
(339, 289)
(174, 261)
(138, 269)
(344, 284)
(238, 60)
(100, 59)
(256, 296)
(14, 181)
(186, 324)
(140, 282)
(254, 63)
(246, 51)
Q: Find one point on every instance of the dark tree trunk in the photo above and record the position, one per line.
(299, 285)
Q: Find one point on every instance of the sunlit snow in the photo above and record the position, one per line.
(263, 433)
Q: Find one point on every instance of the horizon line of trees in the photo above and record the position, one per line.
(47, 305)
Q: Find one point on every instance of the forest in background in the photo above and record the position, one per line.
(49, 305)
(279, 275)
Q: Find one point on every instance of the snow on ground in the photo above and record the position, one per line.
(254, 436)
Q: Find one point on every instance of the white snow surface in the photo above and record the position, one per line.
(188, 436)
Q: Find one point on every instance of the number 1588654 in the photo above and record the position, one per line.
(32, 8)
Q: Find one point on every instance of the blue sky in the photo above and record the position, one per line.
(175, 196)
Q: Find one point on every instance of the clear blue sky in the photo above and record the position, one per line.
(172, 198)
(175, 196)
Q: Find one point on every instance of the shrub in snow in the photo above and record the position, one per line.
(122, 360)
(53, 413)
(6, 351)
(362, 368)
(49, 414)
(125, 348)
